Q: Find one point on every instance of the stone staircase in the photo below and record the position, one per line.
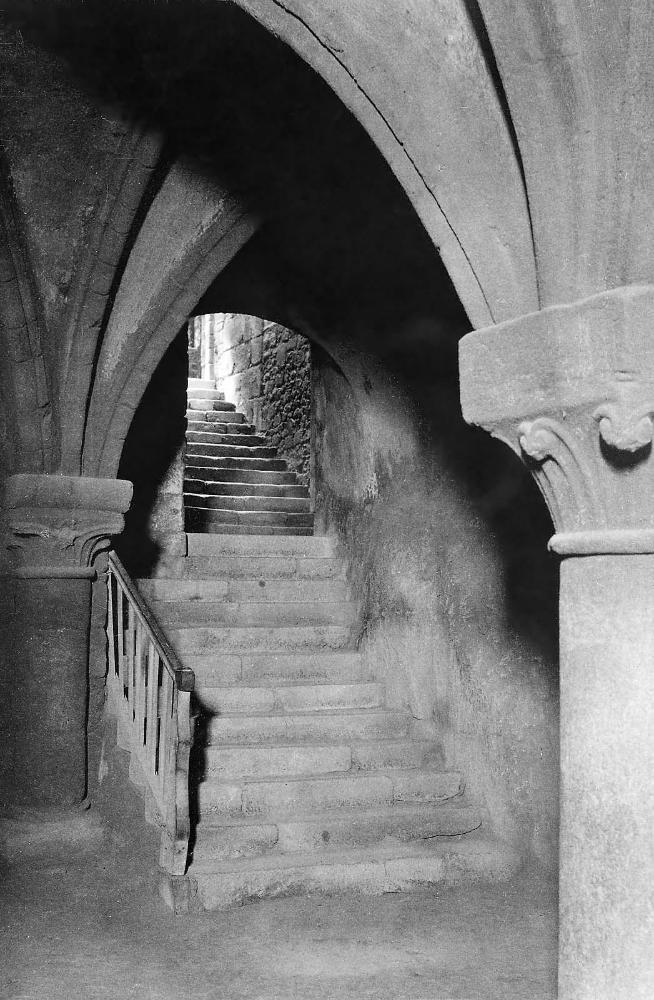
(234, 482)
(304, 781)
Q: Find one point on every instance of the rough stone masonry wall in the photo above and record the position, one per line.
(265, 369)
(445, 536)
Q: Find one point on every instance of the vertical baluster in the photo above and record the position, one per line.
(166, 728)
(132, 624)
(139, 687)
(111, 632)
(120, 628)
(153, 712)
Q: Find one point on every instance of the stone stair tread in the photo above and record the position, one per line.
(209, 404)
(215, 416)
(316, 546)
(197, 459)
(356, 855)
(214, 821)
(235, 475)
(203, 392)
(354, 775)
(227, 428)
(238, 439)
(197, 445)
(274, 686)
(319, 713)
(218, 528)
(217, 487)
(246, 504)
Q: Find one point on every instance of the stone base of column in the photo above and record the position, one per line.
(50, 835)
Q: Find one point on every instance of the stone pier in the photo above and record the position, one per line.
(53, 527)
(571, 390)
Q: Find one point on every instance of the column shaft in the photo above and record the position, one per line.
(607, 763)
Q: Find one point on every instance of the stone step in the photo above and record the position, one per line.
(365, 870)
(260, 567)
(217, 426)
(315, 547)
(206, 461)
(203, 444)
(190, 614)
(224, 489)
(358, 790)
(280, 505)
(291, 638)
(257, 589)
(225, 839)
(291, 698)
(301, 727)
(274, 759)
(260, 477)
(218, 528)
(213, 436)
(202, 383)
(219, 417)
(211, 405)
(201, 518)
(273, 667)
(204, 392)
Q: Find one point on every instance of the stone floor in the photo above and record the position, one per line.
(96, 929)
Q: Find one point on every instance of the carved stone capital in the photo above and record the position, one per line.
(571, 390)
(55, 525)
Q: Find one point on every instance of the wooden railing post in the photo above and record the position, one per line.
(150, 693)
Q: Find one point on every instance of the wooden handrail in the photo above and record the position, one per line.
(184, 678)
(149, 692)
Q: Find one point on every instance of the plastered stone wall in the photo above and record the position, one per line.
(265, 369)
(445, 538)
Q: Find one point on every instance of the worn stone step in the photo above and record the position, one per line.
(202, 459)
(225, 489)
(270, 667)
(210, 405)
(224, 839)
(274, 759)
(292, 638)
(315, 547)
(213, 436)
(201, 383)
(203, 519)
(277, 518)
(291, 698)
(217, 473)
(223, 427)
(218, 417)
(260, 567)
(303, 726)
(220, 528)
(257, 589)
(204, 392)
(190, 614)
(279, 505)
(201, 443)
(358, 790)
(365, 870)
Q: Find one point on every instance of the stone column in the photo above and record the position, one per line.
(571, 391)
(52, 528)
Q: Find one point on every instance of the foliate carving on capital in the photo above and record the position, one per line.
(624, 428)
(42, 538)
(562, 469)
